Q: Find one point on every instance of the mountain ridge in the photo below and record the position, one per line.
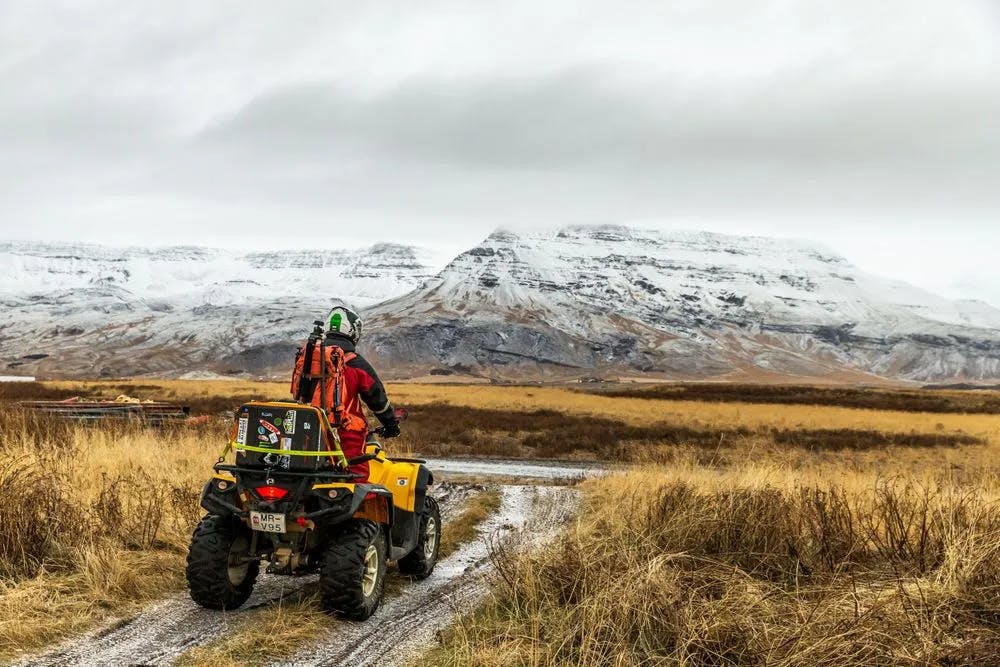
(689, 304)
(575, 301)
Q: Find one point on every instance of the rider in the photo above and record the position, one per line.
(360, 379)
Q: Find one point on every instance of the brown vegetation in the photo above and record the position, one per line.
(33, 391)
(442, 429)
(204, 398)
(904, 400)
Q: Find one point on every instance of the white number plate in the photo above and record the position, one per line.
(267, 522)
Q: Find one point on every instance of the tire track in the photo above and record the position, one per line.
(405, 626)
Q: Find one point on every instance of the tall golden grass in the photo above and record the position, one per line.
(750, 566)
(94, 521)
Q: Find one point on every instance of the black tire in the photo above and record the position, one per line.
(213, 582)
(353, 574)
(420, 562)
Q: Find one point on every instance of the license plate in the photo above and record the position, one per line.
(267, 522)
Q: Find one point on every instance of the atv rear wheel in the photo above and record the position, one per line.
(353, 573)
(220, 574)
(420, 562)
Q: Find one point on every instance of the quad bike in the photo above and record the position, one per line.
(290, 502)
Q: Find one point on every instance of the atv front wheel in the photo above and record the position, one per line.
(420, 562)
(353, 573)
(220, 574)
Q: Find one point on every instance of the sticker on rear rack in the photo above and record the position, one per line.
(290, 422)
(286, 445)
(241, 432)
(274, 431)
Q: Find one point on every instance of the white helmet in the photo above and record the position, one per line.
(345, 321)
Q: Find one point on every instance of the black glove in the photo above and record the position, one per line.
(390, 429)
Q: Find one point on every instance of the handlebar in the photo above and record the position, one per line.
(400, 413)
(364, 458)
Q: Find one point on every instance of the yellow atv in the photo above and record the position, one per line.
(290, 500)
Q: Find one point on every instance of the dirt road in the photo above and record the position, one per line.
(402, 627)
(405, 626)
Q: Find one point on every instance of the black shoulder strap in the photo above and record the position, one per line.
(338, 400)
(307, 385)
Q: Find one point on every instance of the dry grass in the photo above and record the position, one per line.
(749, 567)
(742, 431)
(264, 635)
(644, 412)
(94, 522)
(462, 529)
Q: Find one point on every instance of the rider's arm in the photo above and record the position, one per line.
(372, 392)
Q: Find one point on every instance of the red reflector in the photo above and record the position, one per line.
(301, 520)
(271, 492)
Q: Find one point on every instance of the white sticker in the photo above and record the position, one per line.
(286, 445)
(241, 432)
(306, 426)
(290, 422)
(273, 437)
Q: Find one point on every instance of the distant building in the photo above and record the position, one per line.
(16, 378)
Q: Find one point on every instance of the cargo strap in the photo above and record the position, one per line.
(231, 445)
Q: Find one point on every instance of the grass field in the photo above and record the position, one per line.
(748, 532)
(780, 546)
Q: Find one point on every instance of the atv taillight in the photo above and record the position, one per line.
(271, 492)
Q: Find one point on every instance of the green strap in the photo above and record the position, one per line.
(283, 452)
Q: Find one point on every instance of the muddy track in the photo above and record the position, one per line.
(403, 626)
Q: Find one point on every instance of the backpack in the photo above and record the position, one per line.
(319, 379)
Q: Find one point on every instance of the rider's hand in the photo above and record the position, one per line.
(390, 429)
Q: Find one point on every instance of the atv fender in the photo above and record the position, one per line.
(381, 510)
(424, 479)
(220, 502)
(359, 495)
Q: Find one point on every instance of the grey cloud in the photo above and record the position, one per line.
(585, 118)
(809, 119)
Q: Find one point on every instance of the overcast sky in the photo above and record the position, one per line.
(872, 126)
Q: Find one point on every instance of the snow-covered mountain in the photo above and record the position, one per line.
(580, 301)
(607, 298)
(90, 310)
